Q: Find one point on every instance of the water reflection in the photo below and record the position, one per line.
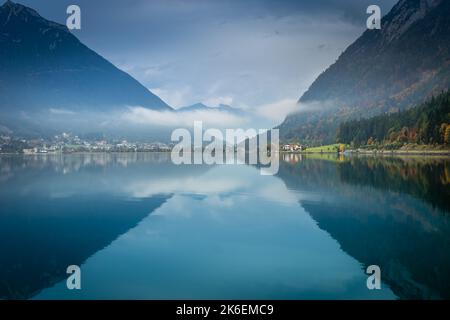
(424, 178)
(387, 211)
(58, 210)
(141, 227)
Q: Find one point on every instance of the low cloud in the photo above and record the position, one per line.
(277, 111)
(214, 118)
(281, 109)
(175, 98)
(312, 106)
(216, 101)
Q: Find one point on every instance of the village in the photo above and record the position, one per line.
(69, 143)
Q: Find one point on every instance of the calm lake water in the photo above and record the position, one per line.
(142, 228)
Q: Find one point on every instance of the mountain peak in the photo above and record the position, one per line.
(11, 9)
(58, 70)
(8, 3)
(15, 6)
(195, 107)
(202, 107)
(199, 105)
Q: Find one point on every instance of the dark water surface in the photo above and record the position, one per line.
(142, 228)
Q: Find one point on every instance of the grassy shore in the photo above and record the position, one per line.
(409, 149)
(405, 152)
(414, 149)
(331, 148)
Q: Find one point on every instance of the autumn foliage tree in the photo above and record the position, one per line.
(447, 135)
(428, 123)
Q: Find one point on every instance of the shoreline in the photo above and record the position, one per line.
(378, 152)
(81, 152)
(405, 152)
(347, 152)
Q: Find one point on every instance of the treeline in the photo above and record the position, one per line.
(428, 123)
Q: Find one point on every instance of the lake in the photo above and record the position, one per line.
(141, 227)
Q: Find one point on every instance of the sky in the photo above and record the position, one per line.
(251, 54)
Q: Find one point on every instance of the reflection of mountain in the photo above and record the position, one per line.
(58, 210)
(407, 238)
(42, 243)
(51, 218)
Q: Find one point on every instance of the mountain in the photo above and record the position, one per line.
(428, 123)
(45, 67)
(195, 107)
(397, 67)
(203, 107)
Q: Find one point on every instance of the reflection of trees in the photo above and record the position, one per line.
(427, 179)
(67, 163)
(376, 221)
(58, 210)
(50, 219)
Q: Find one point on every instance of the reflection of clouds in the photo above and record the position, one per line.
(277, 192)
(217, 201)
(203, 184)
(142, 175)
(224, 186)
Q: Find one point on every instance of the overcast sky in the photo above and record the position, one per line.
(246, 53)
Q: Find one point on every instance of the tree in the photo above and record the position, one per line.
(447, 135)
(424, 124)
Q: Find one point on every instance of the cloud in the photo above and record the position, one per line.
(176, 97)
(311, 106)
(61, 111)
(277, 111)
(243, 53)
(216, 101)
(212, 118)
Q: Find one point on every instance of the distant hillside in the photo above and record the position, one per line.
(426, 124)
(397, 67)
(203, 107)
(43, 66)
